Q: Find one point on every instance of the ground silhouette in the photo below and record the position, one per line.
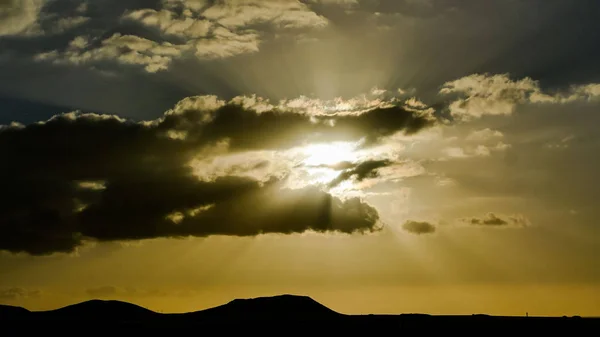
(287, 307)
(271, 314)
(8, 311)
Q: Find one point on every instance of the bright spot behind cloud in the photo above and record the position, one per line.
(329, 153)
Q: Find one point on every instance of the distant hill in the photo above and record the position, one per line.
(98, 309)
(280, 314)
(282, 307)
(264, 308)
(8, 311)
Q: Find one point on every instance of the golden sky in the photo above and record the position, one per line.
(378, 156)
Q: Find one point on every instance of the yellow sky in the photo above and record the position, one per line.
(390, 272)
(145, 160)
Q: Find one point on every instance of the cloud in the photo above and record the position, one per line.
(532, 170)
(19, 16)
(336, 2)
(125, 49)
(418, 227)
(83, 176)
(245, 128)
(64, 24)
(498, 95)
(409, 8)
(244, 13)
(174, 29)
(367, 169)
(497, 220)
(18, 293)
(31, 18)
(483, 135)
(470, 151)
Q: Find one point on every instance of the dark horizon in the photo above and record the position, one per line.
(283, 298)
(250, 299)
(266, 313)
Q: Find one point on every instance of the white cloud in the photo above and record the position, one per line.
(469, 151)
(225, 43)
(455, 152)
(19, 17)
(64, 24)
(484, 135)
(259, 165)
(218, 30)
(242, 13)
(488, 95)
(169, 23)
(499, 95)
(198, 103)
(23, 17)
(125, 49)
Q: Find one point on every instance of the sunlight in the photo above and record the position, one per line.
(321, 175)
(328, 154)
(324, 162)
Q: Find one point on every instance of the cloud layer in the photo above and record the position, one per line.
(153, 34)
(86, 176)
(499, 94)
(214, 167)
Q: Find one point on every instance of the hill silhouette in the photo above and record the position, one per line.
(288, 307)
(263, 314)
(9, 311)
(96, 309)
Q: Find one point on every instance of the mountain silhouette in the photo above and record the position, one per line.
(265, 308)
(277, 314)
(9, 311)
(96, 309)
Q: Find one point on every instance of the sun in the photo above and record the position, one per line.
(321, 161)
(325, 155)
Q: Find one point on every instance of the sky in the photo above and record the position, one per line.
(380, 156)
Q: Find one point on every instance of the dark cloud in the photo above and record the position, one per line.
(86, 176)
(418, 227)
(241, 207)
(18, 293)
(495, 220)
(248, 130)
(367, 169)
